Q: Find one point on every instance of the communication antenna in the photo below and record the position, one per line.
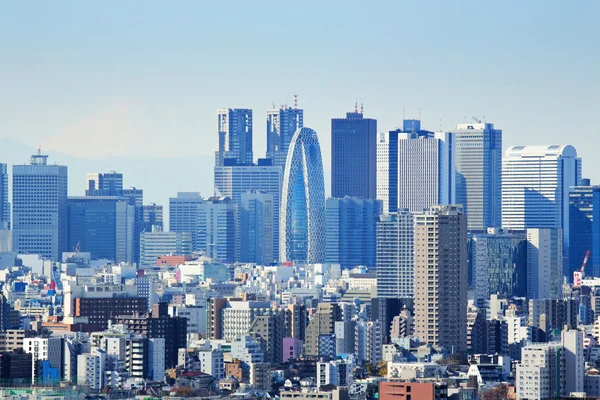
(419, 113)
(361, 107)
(356, 106)
(403, 114)
(295, 101)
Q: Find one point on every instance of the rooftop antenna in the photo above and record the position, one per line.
(361, 107)
(419, 113)
(295, 101)
(441, 129)
(356, 106)
(39, 150)
(403, 113)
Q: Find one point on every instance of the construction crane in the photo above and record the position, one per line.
(578, 275)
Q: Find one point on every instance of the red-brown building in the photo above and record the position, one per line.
(398, 390)
(172, 261)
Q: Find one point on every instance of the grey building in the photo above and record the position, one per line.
(4, 204)
(478, 160)
(40, 208)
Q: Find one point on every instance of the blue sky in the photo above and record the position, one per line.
(143, 79)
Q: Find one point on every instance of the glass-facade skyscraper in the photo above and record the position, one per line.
(353, 156)
(282, 123)
(257, 227)
(581, 229)
(351, 225)
(104, 226)
(302, 212)
(4, 204)
(478, 160)
(234, 137)
(40, 208)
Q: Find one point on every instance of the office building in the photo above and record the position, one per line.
(498, 264)
(440, 256)
(302, 213)
(104, 184)
(184, 216)
(425, 168)
(233, 181)
(353, 156)
(544, 263)
(581, 228)
(351, 225)
(282, 123)
(535, 188)
(153, 217)
(387, 171)
(217, 227)
(321, 324)
(156, 244)
(40, 208)
(395, 255)
(4, 204)
(257, 221)
(234, 137)
(104, 226)
(478, 161)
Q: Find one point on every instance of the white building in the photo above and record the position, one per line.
(91, 368)
(156, 359)
(212, 362)
(156, 244)
(544, 263)
(239, 315)
(368, 339)
(49, 348)
(247, 350)
(338, 373)
(535, 187)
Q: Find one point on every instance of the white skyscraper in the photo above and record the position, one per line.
(544, 263)
(387, 171)
(425, 170)
(535, 187)
(40, 208)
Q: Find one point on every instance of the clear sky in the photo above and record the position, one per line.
(144, 78)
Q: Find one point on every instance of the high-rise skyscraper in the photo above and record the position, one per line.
(184, 214)
(544, 264)
(478, 160)
(387, 171)
(233, 181)
(351, 230)
(282, 123)
(257, 227)
(153, 217)
(104, 184)
(395, 255)
(302, 213)
(104, 226)
(440, 254)
(40, 208)
(4, 204)
(353, 156)
(535, 187)
(425, 168)
(234, 137)
(581, 228)
(217, 229)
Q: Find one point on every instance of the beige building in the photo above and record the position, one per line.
(322, 323)
(441, 277)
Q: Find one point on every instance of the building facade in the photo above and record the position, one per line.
(282, 123)
(478, 160)
(351, 225)
(353, 156)
(302, 213)
(156, 244)
(184, 215)
(544, 263)
(387, 171)
(4, 204)
(234, 137)
(440, 243)
(40, 208)
(257, 227)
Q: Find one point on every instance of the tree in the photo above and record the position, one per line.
(370, 368)
(499, 392)
(455, 359)
(382, 368)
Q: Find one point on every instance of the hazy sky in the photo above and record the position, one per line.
(144, 78)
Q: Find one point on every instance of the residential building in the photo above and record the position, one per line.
(156, 244)
(40, 208)
(353, 156)
(302, 213)
(91, 368)
(392, 390)
(234, 137)
(440, 237)
(282, 123)
(260, 376)
(395, 255)
(338, 373)
(478, 161)
(544, 263)
(270, 331)
(351, 225)
(368, 339)
(238, 317)
(322, 323)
